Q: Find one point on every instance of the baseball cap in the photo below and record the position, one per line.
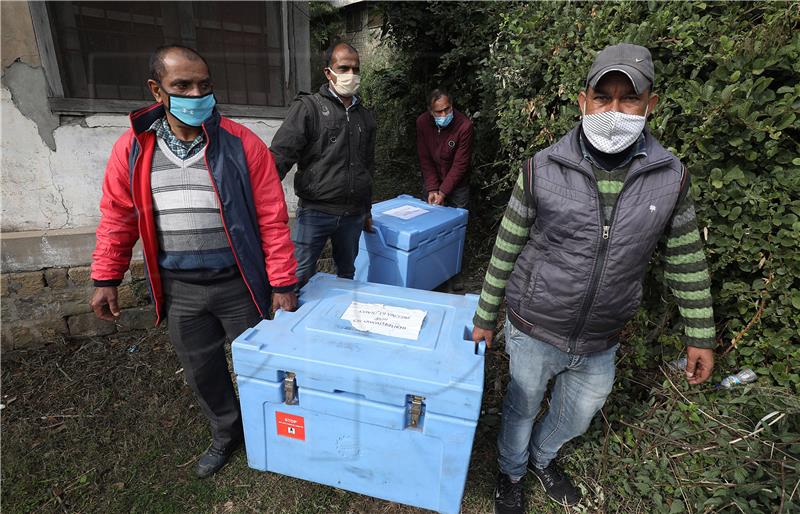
(633, 60)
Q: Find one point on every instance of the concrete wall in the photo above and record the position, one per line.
(40, 306)
(45, 188)
(366, 40)
(17, 40)
(53, 166)
(52, 173)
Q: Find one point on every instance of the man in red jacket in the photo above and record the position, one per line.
(203, 194)
(444, 144)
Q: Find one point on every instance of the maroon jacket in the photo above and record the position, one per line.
(444, 154)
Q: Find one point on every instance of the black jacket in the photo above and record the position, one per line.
(334, 150)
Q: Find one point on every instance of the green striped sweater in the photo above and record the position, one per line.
(686, 271)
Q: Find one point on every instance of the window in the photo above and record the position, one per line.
(100, 51)
(354, 18)
(375, 19)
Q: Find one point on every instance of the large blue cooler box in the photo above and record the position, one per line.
(414, 244)
(390, 416)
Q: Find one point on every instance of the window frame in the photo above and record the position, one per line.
(293, 79)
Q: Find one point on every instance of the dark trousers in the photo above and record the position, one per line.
(199, 318)
(313, 230)
(458, 197)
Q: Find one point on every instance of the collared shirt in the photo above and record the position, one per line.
(640, 149)
(182, 149)
(346, 108)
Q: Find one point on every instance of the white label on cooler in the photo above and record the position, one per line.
(385, 319)
(406, 212)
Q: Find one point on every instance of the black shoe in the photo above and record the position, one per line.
(215, 458)
(556, 484)
(509, 497)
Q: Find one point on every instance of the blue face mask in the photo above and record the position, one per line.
(443, 121)
(192, 110)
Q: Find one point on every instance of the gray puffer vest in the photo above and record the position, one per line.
(577, 282)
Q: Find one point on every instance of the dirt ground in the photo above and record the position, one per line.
(107, 424)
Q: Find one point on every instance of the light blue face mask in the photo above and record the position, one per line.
(443, 121)
(192, 110)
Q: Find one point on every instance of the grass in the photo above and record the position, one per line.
(108, 425)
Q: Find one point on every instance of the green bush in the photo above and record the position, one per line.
(683, 450)
(728, 77)
(431, 45)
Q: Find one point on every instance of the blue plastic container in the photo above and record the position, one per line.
(414, 244)
(380, 415)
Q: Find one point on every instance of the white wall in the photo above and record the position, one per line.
(44, 189)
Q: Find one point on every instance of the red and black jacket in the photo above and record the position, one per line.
(250, 195)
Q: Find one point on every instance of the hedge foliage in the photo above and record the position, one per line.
(728, 77)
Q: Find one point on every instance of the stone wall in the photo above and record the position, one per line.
(40, 307)
(368, 20)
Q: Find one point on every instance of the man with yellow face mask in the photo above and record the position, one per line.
(330, 135)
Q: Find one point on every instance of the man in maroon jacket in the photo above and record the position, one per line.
(444, 144)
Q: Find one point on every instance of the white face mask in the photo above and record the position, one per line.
(612, 131)
(346, 84)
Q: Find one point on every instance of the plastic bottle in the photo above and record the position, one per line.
(745, 376)
(677, 364)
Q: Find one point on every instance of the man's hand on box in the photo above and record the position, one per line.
(284, 301)
(482, 334)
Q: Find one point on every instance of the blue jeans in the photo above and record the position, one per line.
(313, 230)
(582, 384)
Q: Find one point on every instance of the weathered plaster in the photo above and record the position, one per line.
(29, 93)
(35, 250)
(18, 41)
(44, 189)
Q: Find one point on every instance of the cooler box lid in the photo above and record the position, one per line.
(378, 356)
(406, 222)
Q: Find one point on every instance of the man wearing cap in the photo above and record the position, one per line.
(584, 219)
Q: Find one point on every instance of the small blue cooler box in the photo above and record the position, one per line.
(414, 244)
(379, 412)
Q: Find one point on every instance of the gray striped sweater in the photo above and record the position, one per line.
(191, 235)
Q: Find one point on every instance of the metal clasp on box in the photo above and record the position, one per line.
(415, 411)
(289, 388)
